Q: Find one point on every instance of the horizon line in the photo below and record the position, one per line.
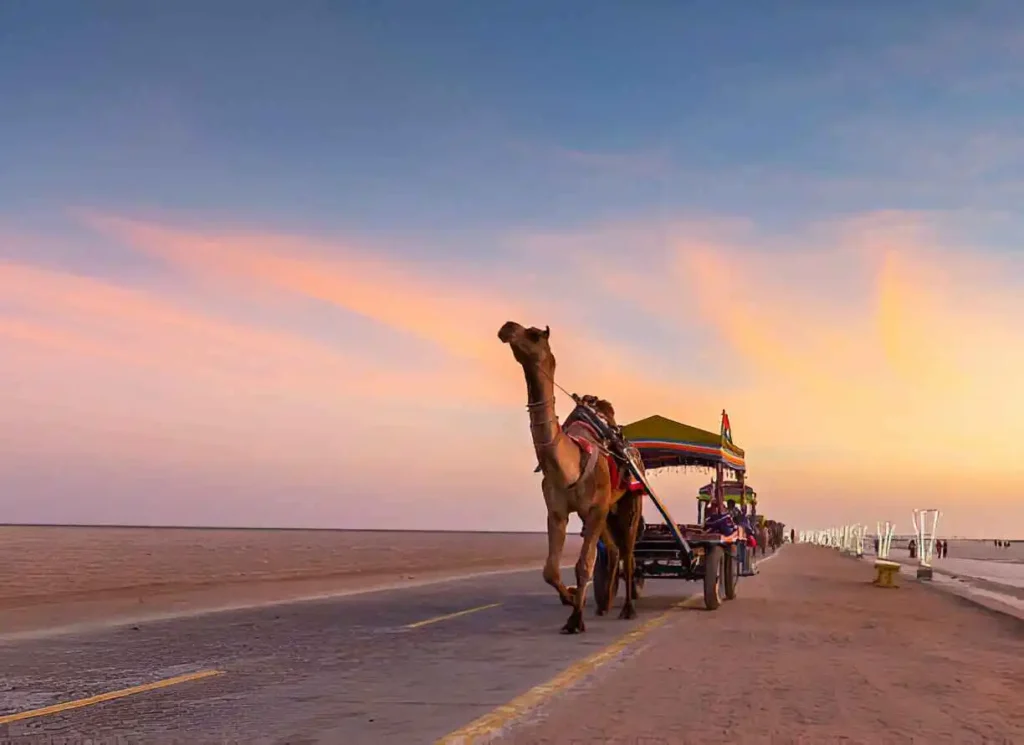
(254, 527)
(126, 526)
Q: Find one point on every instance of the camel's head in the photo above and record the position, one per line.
(529, 345)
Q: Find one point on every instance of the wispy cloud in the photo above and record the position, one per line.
(846, 337)
(460, 315)
(859, 344)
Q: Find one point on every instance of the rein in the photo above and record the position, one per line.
(535, 405)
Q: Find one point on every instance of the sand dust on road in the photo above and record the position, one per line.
(54, 577)
(811, 652)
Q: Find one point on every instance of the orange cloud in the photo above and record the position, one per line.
(51, 316)
(832, 342)
(430, 308)
(864, 348)
(463, 320)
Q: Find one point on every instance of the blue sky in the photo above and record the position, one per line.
(444, 117)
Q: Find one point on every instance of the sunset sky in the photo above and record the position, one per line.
(254, 255)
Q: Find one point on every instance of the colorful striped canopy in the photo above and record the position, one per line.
(663, 442)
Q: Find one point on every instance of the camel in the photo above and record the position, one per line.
(576, 478)
(762, 535)
(776, 534)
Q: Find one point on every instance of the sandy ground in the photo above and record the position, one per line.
(983, 571)
(986, 551)
(809, 653)
(979, 550)
(53, 577)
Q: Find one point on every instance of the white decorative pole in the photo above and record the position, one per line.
(926, 523)
(885, 532)
(885, 569)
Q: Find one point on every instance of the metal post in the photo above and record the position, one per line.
(741, 477)
(719, 490)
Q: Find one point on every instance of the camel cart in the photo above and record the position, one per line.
(707, 551)
(746, 499)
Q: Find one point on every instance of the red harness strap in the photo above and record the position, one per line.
(613, 471)
(588, 447)
(583, 443)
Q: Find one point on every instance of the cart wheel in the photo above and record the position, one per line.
(713, 564)
(731, 570)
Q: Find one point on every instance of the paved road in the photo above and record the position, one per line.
(346, 670)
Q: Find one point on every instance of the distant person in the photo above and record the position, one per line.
(945, 549)
(912, 548)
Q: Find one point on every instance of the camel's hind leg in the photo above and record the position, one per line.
(606, 571)
(624, 529)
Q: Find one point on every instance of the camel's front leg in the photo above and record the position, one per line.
(593, 527)
(557, 524)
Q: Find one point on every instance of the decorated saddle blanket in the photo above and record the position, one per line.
(592, 447)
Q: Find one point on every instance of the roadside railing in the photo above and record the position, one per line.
(850, 539)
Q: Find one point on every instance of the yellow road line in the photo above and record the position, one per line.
(694, 601)
(112, 695)
(490, 725)
(445, 617)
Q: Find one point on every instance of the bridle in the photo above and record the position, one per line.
(535, 406)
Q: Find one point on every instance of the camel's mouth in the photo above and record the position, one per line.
(508, 332)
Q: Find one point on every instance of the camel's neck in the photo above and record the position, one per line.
(540, 402)
(559, 456)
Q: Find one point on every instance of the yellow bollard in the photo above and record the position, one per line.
(885, 573)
